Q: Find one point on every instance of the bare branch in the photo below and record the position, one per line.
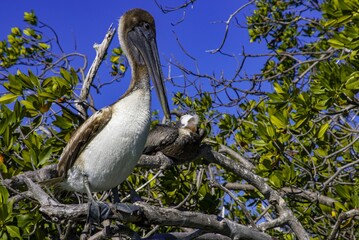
(227, 27)
(291, 191)
(233, 154)
(210, 223)
(171, 9)
(101, 50)
(148, 215)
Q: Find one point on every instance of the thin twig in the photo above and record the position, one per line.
(227, 27)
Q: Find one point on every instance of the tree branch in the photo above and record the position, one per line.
(147, 215)
(227, 27)
(291, 191)
(101, 50)
(285, 214)
(210, 223)
(272, 195)
(233, 154)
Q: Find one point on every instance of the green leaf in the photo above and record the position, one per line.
(35, 81)
(74, 77)
(24, 220)
(65, 74)
(117, 51)
(3, 212)
(278, 122)
(343, 191)
(262, 167)
(300, 121)
(13, 85)
(44, 46)
(288, 174)
(330, 23)
(336, 43)
(13, 231)
(274, 179)
(30, 109)
(270, 131)
(16, 31)
(4, 195)
(25, 80)
(278, 88)
(29, 32)
(340, 206)
(114, 59)
(322, 130)
(355, 201)
(45, 155)
(3, 235)
(8, 98)
(18, 110)
(343, 19)
(47, 95)
(262, 129)
(30, 17)
(62, 122)
(260, 143)
(60, 81)
(8, 138)
(353, 82)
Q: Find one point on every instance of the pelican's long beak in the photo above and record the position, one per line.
(145, 41)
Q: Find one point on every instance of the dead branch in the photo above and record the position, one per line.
(166, 9)
(101, 50)
(227, 27)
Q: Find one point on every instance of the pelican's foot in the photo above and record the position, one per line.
(98, 211)
(128, 208)
(135, 197)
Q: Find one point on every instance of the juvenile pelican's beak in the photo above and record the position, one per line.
(145, 41)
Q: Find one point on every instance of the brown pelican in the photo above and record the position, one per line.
(181, 143)
(104, 150)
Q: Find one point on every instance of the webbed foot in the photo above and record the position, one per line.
(98, 211)
(128, 208)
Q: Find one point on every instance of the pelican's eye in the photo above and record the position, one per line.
(146, 26)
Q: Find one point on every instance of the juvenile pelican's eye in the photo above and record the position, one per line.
(146, 25)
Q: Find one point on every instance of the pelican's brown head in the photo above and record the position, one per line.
(136, 24)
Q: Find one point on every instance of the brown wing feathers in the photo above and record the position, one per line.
(81, 137)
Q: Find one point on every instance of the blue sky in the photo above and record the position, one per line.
(79, 24)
